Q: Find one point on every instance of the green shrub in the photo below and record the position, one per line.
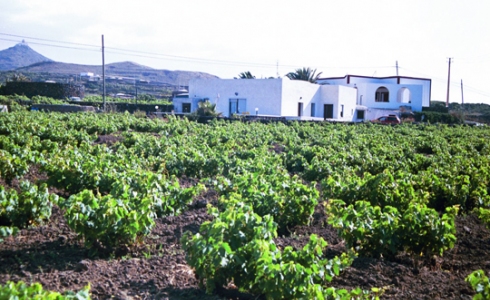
(480, 284)
(437, 117)
(31, 207)
(382, 189)
(484, 214)
(238, 245)
(6, 231)
(13, 102)
(286, 198)
(109, 221)
(166, 194)
(377, 231)
(12, 166)
(140, 114)
(22, 291)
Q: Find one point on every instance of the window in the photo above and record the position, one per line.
(300, 109)
(313, 109)
(382, 95)
(238, 106)
(341, 110)
(186, 107)
(360, 115)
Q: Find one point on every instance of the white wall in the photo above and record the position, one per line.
(426, 88)
(264, 94)
(419, 89)
(368, 93)
(274, 97)
(329, 95)
(339, 96)
(178, 104)
(295, 91)
(347, 98)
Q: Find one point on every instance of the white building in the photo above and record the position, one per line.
(379, 96)
(89, 76)
(350, 98)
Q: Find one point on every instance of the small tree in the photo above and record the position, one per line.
(305, 74)
(206, 109)
(246, 75)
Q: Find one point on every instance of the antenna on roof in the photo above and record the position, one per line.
(277, 68)
(397, 68)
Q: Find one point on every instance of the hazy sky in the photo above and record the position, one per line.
(268, 37)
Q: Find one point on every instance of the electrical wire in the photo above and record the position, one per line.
(46, 40)
(454, 83)
(57, 46)
(154, 55)
(160, 56)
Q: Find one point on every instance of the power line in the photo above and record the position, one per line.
(130, 52)
(57, 46)
(154, 55)
(189, 59)
(160, 56)
(474, 90)
(46, 40)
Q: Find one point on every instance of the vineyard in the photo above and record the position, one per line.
(116, 206)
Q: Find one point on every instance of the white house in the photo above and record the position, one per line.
(379, 96)
(89, 76)
(350, 98)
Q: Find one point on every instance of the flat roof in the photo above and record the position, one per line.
(361, 76)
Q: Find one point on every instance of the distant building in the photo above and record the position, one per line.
(89, 76)
(122, 96)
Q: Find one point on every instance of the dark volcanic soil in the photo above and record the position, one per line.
(156, 269)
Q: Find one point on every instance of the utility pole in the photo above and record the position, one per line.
(462, 97)
(397, 68)
(136, 91)
(448, 82)
(103, 73)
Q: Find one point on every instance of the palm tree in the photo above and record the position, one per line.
(206, 109)
(246, 75)
(305, 74)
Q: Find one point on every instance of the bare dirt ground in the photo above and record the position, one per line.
(156, 269)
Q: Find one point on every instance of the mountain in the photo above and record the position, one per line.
(18, 56)
(121, 69)
(22, 59)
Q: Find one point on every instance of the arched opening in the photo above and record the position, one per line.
(382, 95)
(404, 95)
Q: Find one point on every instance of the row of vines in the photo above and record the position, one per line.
(386, 189)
